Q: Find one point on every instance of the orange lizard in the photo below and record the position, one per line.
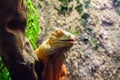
(53, 52)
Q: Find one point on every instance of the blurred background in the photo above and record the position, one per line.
(96, 26)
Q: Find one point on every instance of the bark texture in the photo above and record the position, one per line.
(16, 51)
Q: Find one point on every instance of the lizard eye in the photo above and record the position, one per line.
(59, 33)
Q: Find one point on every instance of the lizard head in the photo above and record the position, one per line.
(59, 42)
(61, 39)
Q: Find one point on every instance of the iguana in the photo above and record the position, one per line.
(53, 52)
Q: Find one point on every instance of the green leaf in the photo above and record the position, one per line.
(118, 12)
(117, 3)
(39, 5)
(33, 44)
(94, 45)
(87, 4)
(83, 22)
(85, 38)
(79, 8)
(88, 31)
(32, 28)
(63, 10)
(85, 16)
(63, 1)
(75, 32)
(78, 1)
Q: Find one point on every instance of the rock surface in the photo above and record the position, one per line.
(84, 62)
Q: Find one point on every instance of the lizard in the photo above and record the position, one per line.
(53, 52)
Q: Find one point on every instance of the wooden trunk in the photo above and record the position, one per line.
(15, 50)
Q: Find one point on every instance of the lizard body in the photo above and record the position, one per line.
(53, 52)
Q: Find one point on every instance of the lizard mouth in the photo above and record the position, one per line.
(69, 40)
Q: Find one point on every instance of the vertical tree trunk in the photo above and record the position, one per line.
(15, 50)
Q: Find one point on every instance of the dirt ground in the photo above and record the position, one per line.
(84, 62)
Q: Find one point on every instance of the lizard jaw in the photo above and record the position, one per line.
(69, 40)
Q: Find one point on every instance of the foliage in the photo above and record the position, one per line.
(87, 4)
(83, 20)
(64, 7)
(85, 16)
(88, 31)
(75, 32)
(118, 11)
(31, 33)
(116, 3)
(39, 5)
(78, 1)
(33, 28)
(79, 8)
(4, 74)
(93, 44)
(85, 39)
(65, 1)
